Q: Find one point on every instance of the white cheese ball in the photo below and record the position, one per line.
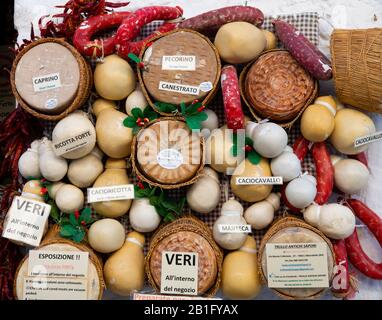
(336, 221)
(311, 214)
(286, 165)
(269, 139)
(301, 192)
(259, 215)
(69, 198)
(204, 195)
(212, 121)
(143, 216)
(350, 175)
(106, 235)
(136, 99)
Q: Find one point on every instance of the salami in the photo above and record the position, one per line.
(305, 52)
(231, 98)
(301, 147)
(341, 278)
(132, 25)
(286, 202)
(210, 21)
(98, 47)
(324, 172)
(360, 157)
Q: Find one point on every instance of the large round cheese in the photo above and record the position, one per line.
(47, 77)
(187, 241)
(168, 152)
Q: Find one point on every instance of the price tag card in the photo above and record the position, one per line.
(70, 264)
(297, 265)
(111, 193)
(179, 273)
(26, 220)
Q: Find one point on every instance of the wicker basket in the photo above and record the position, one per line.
(141, 175)
(83, 91)
(192, 224)
(285, 223)
(215, 84)
(310, 93)
(53, 237)
(357, 67)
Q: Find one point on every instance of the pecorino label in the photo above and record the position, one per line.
(111, 193)
(72, 143)
(179, 88)
(46, 82)
(181, 63)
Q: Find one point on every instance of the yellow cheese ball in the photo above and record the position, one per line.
(271, 39)
(239, 42)
(317, 123)
(114, 79)
(349, 125)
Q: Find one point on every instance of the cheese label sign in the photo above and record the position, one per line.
(259, 180)
(360, 141)
(146, 296)
(234, 228)
(110, 193)
(26, 220)
(46, 82)
(71, 264)
(297, 265)
(72, 143)
(179, 273)
(181, 63)
(179, 88)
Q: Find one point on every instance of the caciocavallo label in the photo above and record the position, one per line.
(46, 82)
(72, 143)
(259, 180)
(368, 139)
(179, 88)
(110, 193)
(234, 228)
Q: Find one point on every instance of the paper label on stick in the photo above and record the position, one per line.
(145, 296)
(42, 288)
(169, 158)
(46, 82)
(234, 228)
(45, 263)
(297, 265)
(179, 273)
(181, 63)
(72, 143)
(360, 141)
(26, 220)
(179, 88)
(259, 180)
(111, 193)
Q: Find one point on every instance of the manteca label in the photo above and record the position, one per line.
(72, 143)
(234, 228)
(181, 63)
(259, 180)
(368, 139)
(179, 88)
(47, 82)
(110, 193)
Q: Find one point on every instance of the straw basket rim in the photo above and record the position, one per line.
(83, 90)
(207, 99)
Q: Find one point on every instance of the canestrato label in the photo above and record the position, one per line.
(368, 139)
(181, 63)
(110, 193)
(179, 88)
(259, 180)
(234, 228)
(46, 82)
(26, 221)
(169, 158)
(72, 143)
(179, 274)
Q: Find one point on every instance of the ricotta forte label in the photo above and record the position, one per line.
(72, 143)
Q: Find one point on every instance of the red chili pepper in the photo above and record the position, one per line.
(141, 65)
(76, 214)
(195, 101)
(146, 119)
(248, 148)
(138, 121)
(140, 185)
(83, 223)
(43, 190)
(200, 109)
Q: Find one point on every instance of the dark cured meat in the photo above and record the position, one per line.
(338, 287)
(301, 147)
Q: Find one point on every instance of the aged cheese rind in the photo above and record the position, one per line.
(169, 134)
(181, 43)
(46, 59)
(187, 241)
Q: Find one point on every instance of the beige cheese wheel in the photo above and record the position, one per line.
(168, 152)
(187, 241)
(54, 61)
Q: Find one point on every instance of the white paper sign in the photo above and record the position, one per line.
(297, 265)
(72, 143)
(110, 193)
(169, 158)
(26, 221)
(234, 228)
(259, 180)
(179, 88)
(179, 273)
(144, 296)
(71, 264)
(368, 139)
(182, 63)
(42, 288)
(46, 82)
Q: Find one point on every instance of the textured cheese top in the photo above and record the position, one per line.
(168, 152)
(298, 235)
(187, 241)
(183, 50)
(277, 87)
(47, 77)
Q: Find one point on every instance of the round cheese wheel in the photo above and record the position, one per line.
(47, 78)
(168, 152)
(187, 241)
